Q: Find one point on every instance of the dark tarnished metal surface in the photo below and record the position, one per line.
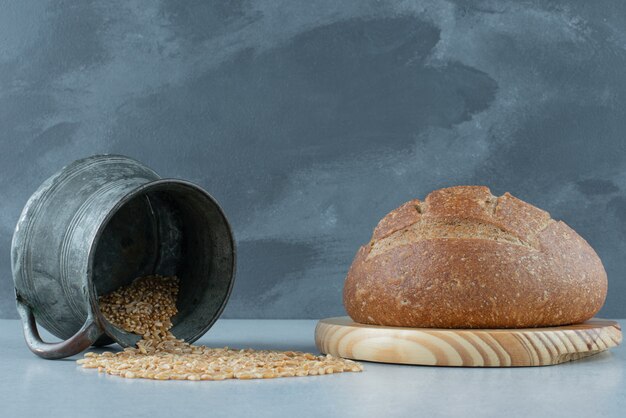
(99, 223)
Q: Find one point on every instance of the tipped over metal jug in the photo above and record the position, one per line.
(98, 224)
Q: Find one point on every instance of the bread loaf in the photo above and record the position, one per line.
(464, 258)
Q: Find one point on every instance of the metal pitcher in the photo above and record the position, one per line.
(98, 224)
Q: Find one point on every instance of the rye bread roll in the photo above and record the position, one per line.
(464, 258)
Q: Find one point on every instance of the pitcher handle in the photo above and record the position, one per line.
(85, 337)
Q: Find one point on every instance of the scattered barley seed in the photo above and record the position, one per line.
(146, 306)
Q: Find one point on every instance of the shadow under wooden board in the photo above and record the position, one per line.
(466, 347)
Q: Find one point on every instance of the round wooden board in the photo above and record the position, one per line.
(465, 347)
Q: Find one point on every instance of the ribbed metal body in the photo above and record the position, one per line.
(102, 221)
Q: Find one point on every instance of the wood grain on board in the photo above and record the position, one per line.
(466, 347)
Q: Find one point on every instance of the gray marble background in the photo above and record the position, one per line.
(310, 120)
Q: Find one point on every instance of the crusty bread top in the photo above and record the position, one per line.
(462, 212)
(464, 258)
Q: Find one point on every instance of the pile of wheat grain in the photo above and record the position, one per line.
(146, 306)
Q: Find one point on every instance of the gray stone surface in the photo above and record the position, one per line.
(309, 121)
(30, 386)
